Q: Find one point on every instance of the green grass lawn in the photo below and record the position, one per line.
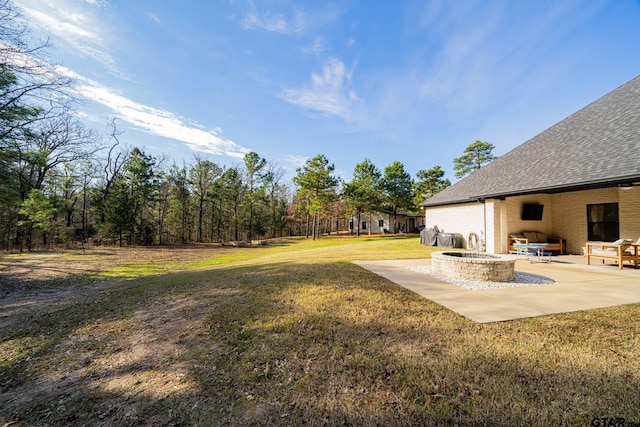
(295, 334)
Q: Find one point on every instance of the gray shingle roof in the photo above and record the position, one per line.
(598, 145)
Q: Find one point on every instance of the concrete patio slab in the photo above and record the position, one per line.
(576, 287)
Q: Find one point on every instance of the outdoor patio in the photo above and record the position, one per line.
(576, 287)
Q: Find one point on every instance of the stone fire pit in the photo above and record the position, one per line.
(473, 266)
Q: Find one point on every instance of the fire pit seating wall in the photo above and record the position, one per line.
(473, 266)
(527, 237)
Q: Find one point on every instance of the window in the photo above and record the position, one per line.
(381, 223)
(364, 225)
(602, 222)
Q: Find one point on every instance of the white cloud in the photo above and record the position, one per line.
(275, 23)
(61, 28)
(295, 160)
(473, 65)
(73, 26)
(465, 68)
(156, 121)
(154, 18)
(318, 47)
(289, 22)
(329, 92)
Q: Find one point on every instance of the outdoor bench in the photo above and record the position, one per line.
(618, 251)
(553, 244)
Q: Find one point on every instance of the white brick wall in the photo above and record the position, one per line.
(464, 219)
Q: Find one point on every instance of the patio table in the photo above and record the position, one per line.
(535, 251)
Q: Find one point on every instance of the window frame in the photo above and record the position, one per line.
(608, 228)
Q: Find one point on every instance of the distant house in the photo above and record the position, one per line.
(578, 180)
(381, 222)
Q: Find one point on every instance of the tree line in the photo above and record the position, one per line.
(63, 184)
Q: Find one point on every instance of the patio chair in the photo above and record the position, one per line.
(619, 251)
(630, 249)
(637, 242)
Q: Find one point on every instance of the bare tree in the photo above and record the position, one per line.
(55, 141)
(30, 85)
(113, 163)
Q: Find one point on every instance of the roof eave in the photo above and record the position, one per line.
(587, 185)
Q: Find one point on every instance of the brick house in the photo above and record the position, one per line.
(578, 180)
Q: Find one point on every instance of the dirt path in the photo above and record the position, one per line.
(139, 357)
(37, 281)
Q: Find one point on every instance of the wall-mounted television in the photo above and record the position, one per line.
(532, 212)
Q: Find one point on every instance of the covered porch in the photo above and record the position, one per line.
(574, 217)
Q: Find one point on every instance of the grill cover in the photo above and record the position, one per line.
(449, 240)
(429, 236)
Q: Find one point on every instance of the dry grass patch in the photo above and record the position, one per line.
(297, 335)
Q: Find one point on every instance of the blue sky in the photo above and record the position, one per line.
(414, 81)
